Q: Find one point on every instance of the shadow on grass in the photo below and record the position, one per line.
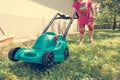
(99, 35)
(24, 67)
(32, 66)
(106, 34)
(30, 71)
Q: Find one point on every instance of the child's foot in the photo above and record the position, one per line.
(81, 42)
(92, 42)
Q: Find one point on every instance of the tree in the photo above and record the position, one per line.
(112, 7)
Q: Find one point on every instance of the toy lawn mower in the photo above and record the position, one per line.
(47, 49)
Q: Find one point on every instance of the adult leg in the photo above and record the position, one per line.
(91, 31)
(81, 31)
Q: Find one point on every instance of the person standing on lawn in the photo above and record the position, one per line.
(86, 16)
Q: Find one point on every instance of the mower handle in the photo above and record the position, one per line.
(61, 16)
(52, 20)
(69, 24)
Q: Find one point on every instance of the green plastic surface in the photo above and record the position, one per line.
(45, 42)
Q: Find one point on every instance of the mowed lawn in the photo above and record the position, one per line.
(98, 61)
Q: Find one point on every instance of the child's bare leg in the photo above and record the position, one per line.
(81, 30)
(91, 31)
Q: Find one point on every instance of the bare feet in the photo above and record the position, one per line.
(81, 42)
(91, 41)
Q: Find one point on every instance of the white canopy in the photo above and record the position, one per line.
(63, 6)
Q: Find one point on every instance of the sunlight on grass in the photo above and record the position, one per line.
(99, 61)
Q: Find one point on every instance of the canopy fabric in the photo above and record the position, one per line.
(63, 6)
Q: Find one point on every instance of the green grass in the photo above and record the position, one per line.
(99, 61)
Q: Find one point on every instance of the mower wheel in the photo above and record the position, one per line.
(66, 53)
(48, 59)
(12, 53)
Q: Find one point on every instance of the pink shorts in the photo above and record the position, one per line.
(85, 21)
(89, 22)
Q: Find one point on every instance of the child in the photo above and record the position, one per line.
(84, 10)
